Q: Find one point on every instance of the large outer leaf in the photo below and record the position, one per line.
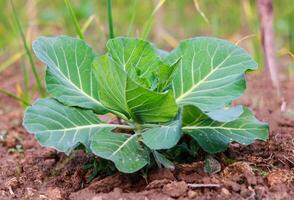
(226, 114)
(120, 93)
(69, 75)
(125, 151)
(61, 127)
(163, 137)
(210, 72)
(215, 136)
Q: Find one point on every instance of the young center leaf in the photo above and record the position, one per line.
(120, 93)
(62, 127)
(124, 150)
(141, 61)
(69, 75)
(215, 136)
(210, 73)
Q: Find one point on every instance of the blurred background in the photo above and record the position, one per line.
(170, 21)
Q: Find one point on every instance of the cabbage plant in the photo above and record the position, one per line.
(158, 96)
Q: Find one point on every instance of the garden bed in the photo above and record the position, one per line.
(263, 169)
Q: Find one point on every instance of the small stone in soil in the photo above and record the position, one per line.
(225, 191)
(54, 193)
(280, 177)
(192, 194)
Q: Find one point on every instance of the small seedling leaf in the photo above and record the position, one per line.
(163, 160)
(211, 165)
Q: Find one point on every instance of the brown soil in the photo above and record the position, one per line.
(263, 170)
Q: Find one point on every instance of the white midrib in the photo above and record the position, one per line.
(182, 96)
(77, 88)
(216, 127)
(123, 144)
(69, 80)
(87, 127)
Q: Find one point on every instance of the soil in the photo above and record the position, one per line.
(263, 170)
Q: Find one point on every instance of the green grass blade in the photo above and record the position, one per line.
(130, 28)
(11, 60)
(148, 24)
(75, 21)
(110, 24)
(28, 52)
(291, 31)
(10, 94)
(202, 14)
(252, 22)
(87, 23)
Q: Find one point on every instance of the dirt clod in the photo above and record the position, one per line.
(159, 174)
(157, 184)
(225, 192)
(175, 189)
(54, 193)
(11, 139)
(280, 177)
